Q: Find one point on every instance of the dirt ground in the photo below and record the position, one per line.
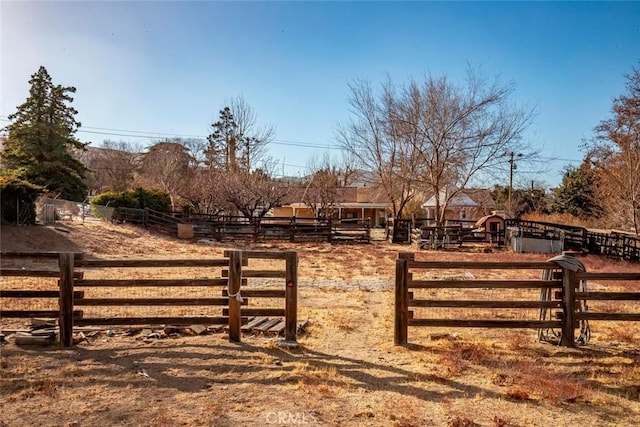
(344, 372)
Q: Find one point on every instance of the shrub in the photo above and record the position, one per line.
(140, 198)
(17, 201)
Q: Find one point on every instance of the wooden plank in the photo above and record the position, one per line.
(401, 317)
(9, 293)
(607, 276)
(259, 312)
(260, 254)
(278, 328)
(609, 296)
(93, 263)
(622, 317)
(469, 265)
(18, 272)
(263, 274)
(117, 283)
(96, 302)
(153, 321)
(511, 324)
(291, 296)
(484, 304)
(21, 314)
(256, 321)
(569, 284)
(496, 284)
(65, 321)
(235, 277)
(259, 293)
(267, 325)
(44, 254)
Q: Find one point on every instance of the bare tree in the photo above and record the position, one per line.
(204, 190)
(253, 193)
(165, 166)
(327, 176)
(615, 153)
(371, 136)
(434, 136)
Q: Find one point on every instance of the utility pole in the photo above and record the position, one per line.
(510, 182)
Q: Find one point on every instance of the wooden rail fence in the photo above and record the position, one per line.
(566, 299)
(75, 291)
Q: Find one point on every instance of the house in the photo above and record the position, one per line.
(355, 203)
(465, 208)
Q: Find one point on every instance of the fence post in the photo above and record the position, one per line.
(65, 322)
(569, 285)
(402, 303)
(291, 297)
(235, 279)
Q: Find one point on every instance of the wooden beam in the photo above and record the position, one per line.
(152, 321)
(510, 324)
(235, 277)
(259, 293)
(484, 304)
(153, 301)
(65, 321)
(9, 293)
(622, 317)
(44, 254)
(262, 274)
(609, 296)
(21, 314)
(259, 312)
(483, 265)
(400, 334)
(117, 283)
(94, 263)
(496, 284)
(607, 276)
(18, 272)
(291, 297)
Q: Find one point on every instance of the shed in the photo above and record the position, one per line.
(492, 226)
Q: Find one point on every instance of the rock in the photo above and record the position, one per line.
(154, 335)
(198, 329)
(110, 332)
(145, 332)
(35, 321)
(23, 338)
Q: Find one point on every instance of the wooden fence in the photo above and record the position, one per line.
(560, 284)
(75, 291)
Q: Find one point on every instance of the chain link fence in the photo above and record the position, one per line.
(52, 210)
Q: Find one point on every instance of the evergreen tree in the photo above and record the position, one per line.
(40, 143)
(577, 193)
(223, 142)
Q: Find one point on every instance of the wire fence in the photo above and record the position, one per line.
(52, 210)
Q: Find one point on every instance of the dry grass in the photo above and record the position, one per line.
(346, 370)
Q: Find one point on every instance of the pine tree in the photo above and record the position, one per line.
(40, 143)
(223, 142)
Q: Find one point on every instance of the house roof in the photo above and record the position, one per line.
(459, 200)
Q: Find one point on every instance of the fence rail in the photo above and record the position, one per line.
(566, 301)
(75, 291)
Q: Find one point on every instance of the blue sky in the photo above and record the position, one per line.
(167, 67)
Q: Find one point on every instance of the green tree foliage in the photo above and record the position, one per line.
(40, 143)
(577, 193)
(17, 201)
(523, 200)
(139, 198)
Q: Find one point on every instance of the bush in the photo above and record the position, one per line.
(17, 201)
(140, 198)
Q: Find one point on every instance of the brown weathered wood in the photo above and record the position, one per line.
(44, 254)
(609, 296)
(270, 312)
(23, 314)
(18, 272)
(118, 283)
(291, 296)
(253, 323)
(400, 335)
(9, 293)
(607, 276)
(410, 256)
(469, 265)
(259, 293)
(260, 254)
(235, 278)
(569, 285)
(484, 304)
(511, 324)
(66, 299)
(153, 321)
(154, 263)
(267, 325)
(278, 328)
(497, 284)
(622, 317)
(264, 274)
(153, 301)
